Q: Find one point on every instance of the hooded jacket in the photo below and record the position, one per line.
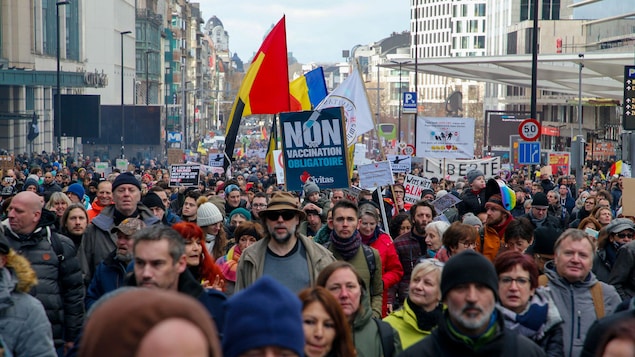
(60, 286)
(623, 273)
(442, 342)
(24, 328)
(472, 202)
(98, 242)
(366, 332)
(575, 304)
(404, 320)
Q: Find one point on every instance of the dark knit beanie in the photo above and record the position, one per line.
(468, 267)
(126, 178)
(31, 182)
(473, 175)
(265, 314)
(539, 200)
(496, 201)
(151, 200)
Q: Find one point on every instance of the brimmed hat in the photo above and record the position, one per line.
(283, 201)
(129, 226)
(619, 224)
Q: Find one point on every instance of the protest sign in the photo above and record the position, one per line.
(455, 169)
(414, 186)
(400, 163)
(375, 175)
(447, 137)
(184, 175)
(314, 147)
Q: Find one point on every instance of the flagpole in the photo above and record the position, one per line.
(381, 147)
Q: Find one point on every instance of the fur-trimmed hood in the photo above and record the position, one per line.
(20, 268)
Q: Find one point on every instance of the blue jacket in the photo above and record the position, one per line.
(109, 275)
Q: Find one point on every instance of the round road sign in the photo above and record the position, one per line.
(529, 130)
(408, 150)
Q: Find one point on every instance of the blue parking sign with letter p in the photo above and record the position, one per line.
(409, 104)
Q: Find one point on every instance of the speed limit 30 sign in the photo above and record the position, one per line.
(529, 130)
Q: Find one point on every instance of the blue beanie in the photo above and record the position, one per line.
(76, 189)
(31, 182)
(264, 314)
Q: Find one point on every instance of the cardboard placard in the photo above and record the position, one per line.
(6, 162)
(628, 190)
(175, 156)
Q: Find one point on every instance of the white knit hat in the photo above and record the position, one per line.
(208, 214)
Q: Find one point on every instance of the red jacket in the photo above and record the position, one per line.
(391, 269)
(95, 210)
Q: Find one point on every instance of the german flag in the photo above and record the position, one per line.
(265, 88)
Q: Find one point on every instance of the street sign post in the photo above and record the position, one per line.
(529, 153)
(529, 129)
(628, 103)
(409, 105)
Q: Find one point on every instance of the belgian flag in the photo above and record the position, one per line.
(265, 88)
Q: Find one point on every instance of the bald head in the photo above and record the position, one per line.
(24, 212)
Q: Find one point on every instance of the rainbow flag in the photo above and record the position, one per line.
(307, 91)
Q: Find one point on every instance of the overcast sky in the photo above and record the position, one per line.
(317, 31)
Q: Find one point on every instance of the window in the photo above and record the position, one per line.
(479, 42)
(479, 10)
(473, 26)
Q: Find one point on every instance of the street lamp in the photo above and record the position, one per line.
(58, 99)
(400, 99)
(123, 115)
(147, 52)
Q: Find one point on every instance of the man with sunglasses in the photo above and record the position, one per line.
(283, 254)
(621, 237)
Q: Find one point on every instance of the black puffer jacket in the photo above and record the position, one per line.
(59, 287)
(472, 202)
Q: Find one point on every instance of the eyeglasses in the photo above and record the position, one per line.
(468, 244)
(521, 281)
(274, 215)
(625, 235)
(259, 205)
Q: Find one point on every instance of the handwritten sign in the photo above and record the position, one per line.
(414, 186)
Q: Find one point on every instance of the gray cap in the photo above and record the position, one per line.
(620, 224)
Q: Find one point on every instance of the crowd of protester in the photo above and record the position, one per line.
(121, 263)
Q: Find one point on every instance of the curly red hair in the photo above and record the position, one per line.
(208, 269)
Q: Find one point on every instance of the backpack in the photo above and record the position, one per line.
(370, 261)
(56, 244)
(387, 336)
(596, 295)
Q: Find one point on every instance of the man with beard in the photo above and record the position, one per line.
(494, 231)
(471, 325)
(284, 254)
(538, 213)
(110, 273)
(410, 246)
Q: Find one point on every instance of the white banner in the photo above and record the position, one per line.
(278, 163)
(450, 138)
(454, 169)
